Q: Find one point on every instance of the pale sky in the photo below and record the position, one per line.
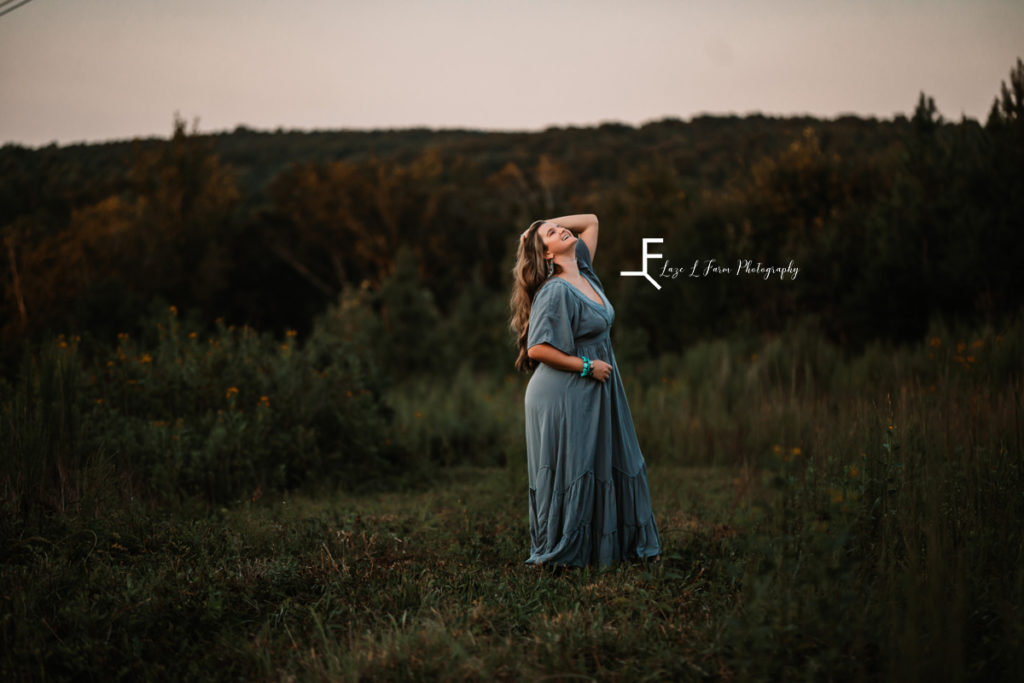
(96, 70)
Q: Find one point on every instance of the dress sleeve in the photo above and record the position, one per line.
(550, 321)
(583, 254)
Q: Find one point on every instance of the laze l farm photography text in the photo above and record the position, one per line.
(701, 268)
(710, 267)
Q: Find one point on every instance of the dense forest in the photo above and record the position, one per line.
(890, 222)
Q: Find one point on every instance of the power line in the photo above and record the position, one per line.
(11, 9)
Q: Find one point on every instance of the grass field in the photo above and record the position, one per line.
(417, 584)
(823, 519)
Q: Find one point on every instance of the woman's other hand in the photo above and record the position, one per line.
(600, 370)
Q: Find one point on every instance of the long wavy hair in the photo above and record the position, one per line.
(528, 274)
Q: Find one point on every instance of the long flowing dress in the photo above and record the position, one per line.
(590, 502)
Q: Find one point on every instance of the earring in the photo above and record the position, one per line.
(551, 267)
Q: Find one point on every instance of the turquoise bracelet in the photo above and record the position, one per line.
(586, 367)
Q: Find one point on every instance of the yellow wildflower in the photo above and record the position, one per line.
(796, 450)
(291, 333)
(231, 392)
(935, 342)
(174, 310)
(146, 358)
(854, 471)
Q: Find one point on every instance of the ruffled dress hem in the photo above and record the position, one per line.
(615, 506)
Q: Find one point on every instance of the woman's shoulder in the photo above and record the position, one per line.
(549, 291)
(547, 288)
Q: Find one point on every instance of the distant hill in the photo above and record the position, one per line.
(892, 221)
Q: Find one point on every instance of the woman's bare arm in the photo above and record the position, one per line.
(585, 225)
(549, 355)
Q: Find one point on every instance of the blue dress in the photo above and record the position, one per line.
(590, 503)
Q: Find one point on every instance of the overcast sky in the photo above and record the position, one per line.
(91, 70)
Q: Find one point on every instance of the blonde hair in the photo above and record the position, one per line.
(528, 274)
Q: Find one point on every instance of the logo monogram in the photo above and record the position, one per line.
(647, 256)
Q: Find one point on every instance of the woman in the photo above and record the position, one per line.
(589, 499)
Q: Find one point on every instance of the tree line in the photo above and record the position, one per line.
(891, 222)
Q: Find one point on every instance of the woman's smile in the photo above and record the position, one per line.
(556, 234)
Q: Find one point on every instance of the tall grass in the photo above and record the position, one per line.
(222, 416)
(40, 440)
(825, 516)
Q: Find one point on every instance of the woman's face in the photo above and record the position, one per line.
(557, 240)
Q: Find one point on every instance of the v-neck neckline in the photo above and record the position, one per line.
(602, 306)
